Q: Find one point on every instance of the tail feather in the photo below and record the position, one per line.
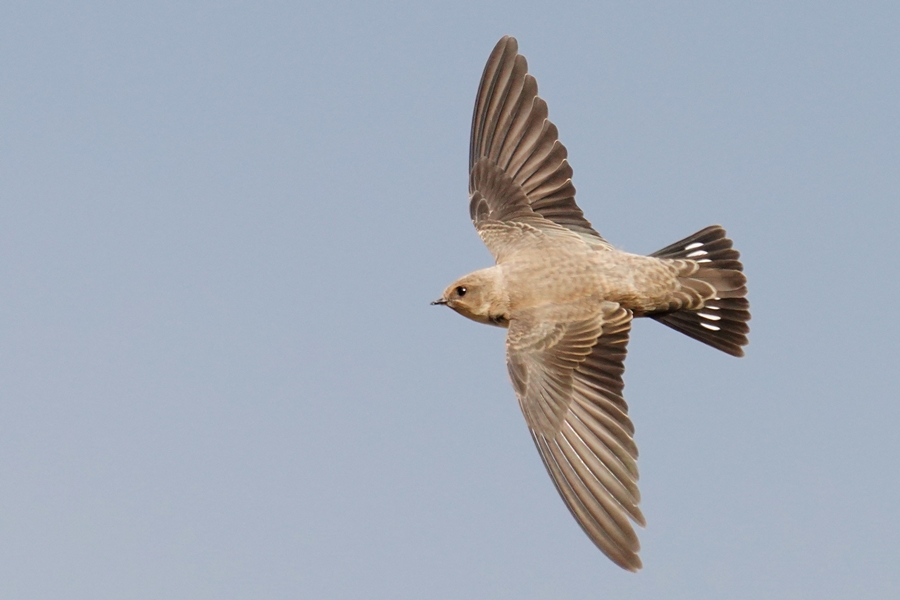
(721, 321)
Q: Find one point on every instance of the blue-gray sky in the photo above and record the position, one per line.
(220, 228)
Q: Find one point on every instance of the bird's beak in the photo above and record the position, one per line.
(439, 301)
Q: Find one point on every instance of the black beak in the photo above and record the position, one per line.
(439, 301)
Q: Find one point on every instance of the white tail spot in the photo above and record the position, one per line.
(704, 260)
(711, 317)
(694, 245)
(712, 307)
(710, 327)
(697, 253)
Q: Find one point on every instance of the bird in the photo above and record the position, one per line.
(567, 298)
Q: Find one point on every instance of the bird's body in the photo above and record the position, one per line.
(568, 297)
(552, 272)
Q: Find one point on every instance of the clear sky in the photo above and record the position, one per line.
(221, 225)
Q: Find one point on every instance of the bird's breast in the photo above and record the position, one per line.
(552, 276)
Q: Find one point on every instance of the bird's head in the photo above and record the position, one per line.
(480, 296)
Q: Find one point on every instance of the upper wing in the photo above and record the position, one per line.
(517, 167)
(568, 378)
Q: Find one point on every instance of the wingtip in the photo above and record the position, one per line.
(631, 563)
(507, 45)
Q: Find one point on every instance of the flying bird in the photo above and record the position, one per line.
(567, 298)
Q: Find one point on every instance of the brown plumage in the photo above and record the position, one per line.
(568, 298)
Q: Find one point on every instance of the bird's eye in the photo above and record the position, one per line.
(460, 291)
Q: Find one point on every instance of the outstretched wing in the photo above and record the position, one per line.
(568, 378)
(517, 167)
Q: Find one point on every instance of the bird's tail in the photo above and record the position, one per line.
(721, 321)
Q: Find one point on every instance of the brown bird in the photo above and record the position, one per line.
(568, 298)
